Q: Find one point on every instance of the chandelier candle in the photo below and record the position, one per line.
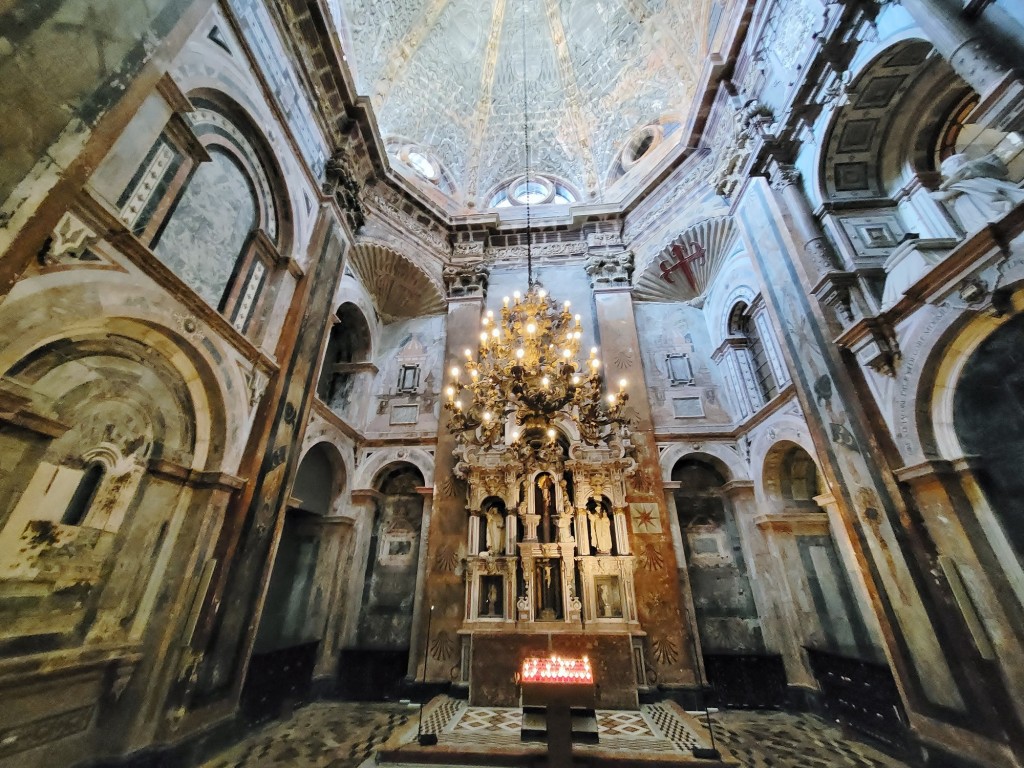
(528, 376)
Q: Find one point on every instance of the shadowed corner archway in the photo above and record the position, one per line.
(347, 371)
(296, 610)
(375, 666)
(988, 420)
(736, 663)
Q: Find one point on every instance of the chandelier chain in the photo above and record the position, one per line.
(526, 144)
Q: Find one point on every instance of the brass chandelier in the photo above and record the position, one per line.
(527, 376)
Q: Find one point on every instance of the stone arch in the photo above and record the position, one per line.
(37, 313)
(221, 121)
(766, 452)
(373, 463)
(741, 294)
(330, 462)
(859, 156)
(725, 459)
(194, 383)
(987, 409)
(785, 465)
(347, 373)
(944, 339)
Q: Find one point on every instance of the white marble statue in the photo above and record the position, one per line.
(977, 191)
(495, 532)
(601, 531)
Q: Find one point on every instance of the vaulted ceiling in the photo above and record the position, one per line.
(446, 80)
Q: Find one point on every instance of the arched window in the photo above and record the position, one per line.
(347, 359)
(742, 325)
(84, 495)
(207, 200)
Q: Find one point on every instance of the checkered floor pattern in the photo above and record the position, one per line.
(344, 735)
(655, 728)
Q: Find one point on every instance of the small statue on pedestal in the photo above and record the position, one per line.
(601, 530)
(495, 531)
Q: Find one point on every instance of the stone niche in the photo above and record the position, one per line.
(497, 658)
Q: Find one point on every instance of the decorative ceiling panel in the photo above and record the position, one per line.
(448, 76)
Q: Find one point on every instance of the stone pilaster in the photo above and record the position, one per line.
(335, 542)
(669, 648)
(416, 641)
(442, 584)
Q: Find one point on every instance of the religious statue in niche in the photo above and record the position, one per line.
(609, 599)
(600, 527)
(495, 517)
(545, 506)
(492, 590)
(549, 582)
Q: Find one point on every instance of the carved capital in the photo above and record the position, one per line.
(462, 280)
(782, 175)
(340, 183)
(609, 269)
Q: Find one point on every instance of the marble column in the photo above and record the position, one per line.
(418, 608)
(975, 58)
(335, 542)
(760, 566)
(848, 557)
(365, 502)
(682, 569)
(797, 616)
(974, 558)
(668, 643)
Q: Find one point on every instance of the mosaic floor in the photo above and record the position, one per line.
(785, 740)
(344, 735)
(656, 728)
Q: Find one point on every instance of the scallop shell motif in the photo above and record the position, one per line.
(398, 287)
(685, 267)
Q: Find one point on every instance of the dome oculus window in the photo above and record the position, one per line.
(640, 143)
(538, 190)
(417, 160)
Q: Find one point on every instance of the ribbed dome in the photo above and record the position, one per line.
(607, 79)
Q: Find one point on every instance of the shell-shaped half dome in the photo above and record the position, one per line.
(685, 268)
(398, 287)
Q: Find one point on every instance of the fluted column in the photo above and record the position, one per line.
(960, 43)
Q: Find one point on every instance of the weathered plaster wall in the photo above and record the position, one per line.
(679, 329)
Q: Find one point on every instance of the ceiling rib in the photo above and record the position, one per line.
(400, 58)
(641, 13)
(483, 107)
(572, 89)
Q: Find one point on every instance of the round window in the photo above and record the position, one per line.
(421, 164)
(531, 192)
(640, 144)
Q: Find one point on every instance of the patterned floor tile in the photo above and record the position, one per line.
(343, 735)
(784, 740)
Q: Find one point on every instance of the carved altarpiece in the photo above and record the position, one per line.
(548, 543)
